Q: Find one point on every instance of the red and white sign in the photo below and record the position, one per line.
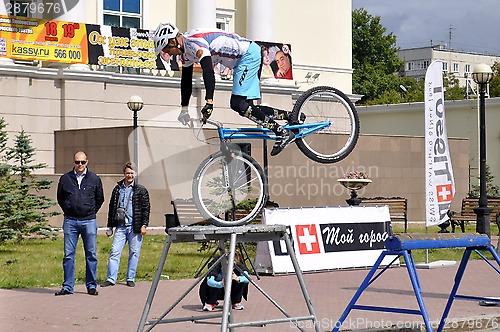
(307, 240)
(325, 238)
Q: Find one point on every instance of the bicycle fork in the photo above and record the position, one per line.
(227, 177)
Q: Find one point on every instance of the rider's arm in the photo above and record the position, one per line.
(186, 85)
(208, 77)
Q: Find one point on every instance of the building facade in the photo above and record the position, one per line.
(462, 121)
(65, 108)
(456, 63)
(42, 97)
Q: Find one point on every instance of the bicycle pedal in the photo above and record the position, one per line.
(302, 119)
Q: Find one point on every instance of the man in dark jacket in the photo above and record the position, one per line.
(80, 196)
(128, 213)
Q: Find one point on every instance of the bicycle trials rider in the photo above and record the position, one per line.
(240, 54)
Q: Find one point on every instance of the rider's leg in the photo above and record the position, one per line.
(246, 108)
(278, 114)
(246, 87)
(274, 113)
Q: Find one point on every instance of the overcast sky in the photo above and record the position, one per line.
(474, 23)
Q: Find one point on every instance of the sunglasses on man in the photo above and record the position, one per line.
(80, 162)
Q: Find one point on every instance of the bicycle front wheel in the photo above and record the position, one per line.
(226, 184)
(327, 104)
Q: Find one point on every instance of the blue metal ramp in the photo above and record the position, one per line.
(401, 245)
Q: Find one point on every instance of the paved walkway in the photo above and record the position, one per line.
(119, 308)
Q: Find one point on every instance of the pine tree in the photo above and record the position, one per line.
(7, 188)
(492, 190)
(24, 212)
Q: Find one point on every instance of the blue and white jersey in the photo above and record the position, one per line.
(224, 48)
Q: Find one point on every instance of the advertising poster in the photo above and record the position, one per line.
(439, 179)
(124, 47)
(45, 40)
(325, 238)
(276, 60)
(69, 42)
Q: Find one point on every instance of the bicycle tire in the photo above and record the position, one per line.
(324, 103)
(212, 198)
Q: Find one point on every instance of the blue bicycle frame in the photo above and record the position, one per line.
(264, 133)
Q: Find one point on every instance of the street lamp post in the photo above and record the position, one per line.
(482, 75)
(135, 104)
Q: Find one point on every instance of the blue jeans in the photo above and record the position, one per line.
(88, 231)
(124, 234)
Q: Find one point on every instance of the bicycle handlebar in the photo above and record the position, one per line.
(211, 122)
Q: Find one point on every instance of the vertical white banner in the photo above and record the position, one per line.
(439, 181)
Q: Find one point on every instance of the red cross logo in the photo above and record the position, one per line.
(444, 193)
(307, 239)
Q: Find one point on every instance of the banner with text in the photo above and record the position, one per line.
(325, 238)
(124, 47)
(25, 38)
(45, 40)
(439, 181)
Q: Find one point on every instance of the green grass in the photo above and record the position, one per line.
(38, 263)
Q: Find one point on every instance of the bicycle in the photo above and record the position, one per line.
(227, 179)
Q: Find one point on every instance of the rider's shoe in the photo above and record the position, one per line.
(282, 141)
(302, 118)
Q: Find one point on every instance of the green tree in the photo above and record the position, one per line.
(3, 139)
(410, 90)
(495, 82)
(452, 89)
(24, 210)
(7, 187)
(375, 59)
(492, 190)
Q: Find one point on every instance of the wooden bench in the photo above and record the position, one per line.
(398, 207)
(186, 213)
(467, 212)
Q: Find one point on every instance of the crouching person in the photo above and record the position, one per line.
(212, 288)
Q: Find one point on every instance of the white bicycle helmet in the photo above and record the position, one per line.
(163, 33)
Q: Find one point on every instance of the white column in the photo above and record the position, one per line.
(75, 14)
(260, 20)
(3, 10)
(201, 14)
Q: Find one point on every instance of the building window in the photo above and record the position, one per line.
(122, 13)
(221, 25)
(456, 67)
(409, 66)
(426, 64)
(445, 67)
(467, 69)
(223, 17)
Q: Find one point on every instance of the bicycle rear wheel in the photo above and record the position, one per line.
(334, 143)
(223, 184)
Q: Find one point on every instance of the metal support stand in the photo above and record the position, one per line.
(402, 247)
(251, 233)
(265, 158)
(244, 253)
